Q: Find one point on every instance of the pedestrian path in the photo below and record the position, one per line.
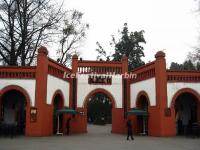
(98, 138)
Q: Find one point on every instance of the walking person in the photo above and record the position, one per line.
(68, 125)
(130, 130)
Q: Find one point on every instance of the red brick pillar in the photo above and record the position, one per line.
(74, 71)
(41, 126)
(124, 64)
(126, 98)
(164, 122)
(119, 114)
(78, 122)
(74, 63)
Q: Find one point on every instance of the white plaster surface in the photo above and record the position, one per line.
(27, 84)
(83, 89)
(172, 88)
(148, 86)
(54, 84)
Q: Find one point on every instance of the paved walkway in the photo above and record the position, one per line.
(98, 138)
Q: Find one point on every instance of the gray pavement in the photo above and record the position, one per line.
(98, 138)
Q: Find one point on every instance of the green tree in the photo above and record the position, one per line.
(129, 44)
(176, 66)
(198, 66)
(188, 65)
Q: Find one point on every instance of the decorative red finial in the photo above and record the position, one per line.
(74, 56)
(159, 54)
(43, 50)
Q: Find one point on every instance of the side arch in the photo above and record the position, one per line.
(142, 93)
(19, 89)
(58, 92)
(100, 90)
(184, 90)
(27, 100)
(57, 102)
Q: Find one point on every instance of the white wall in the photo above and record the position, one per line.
(26, 84)
(148, 86)
(54, 84)
(83, 89)
(172, 88)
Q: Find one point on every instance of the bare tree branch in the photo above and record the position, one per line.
(25, 24)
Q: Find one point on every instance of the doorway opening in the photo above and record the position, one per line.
(13, 113)
(186, 106)
(57, 118)
(99, 104)
(142, 120)
(99, 109)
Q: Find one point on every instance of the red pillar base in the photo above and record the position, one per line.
(44, 124)
(79, 122)
(167, 128)
(118, 121)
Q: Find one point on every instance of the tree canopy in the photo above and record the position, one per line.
(129, 44)
(187, 65)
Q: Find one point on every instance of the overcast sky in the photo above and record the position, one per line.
(168, 24)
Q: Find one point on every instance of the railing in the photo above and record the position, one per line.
(144, 72)
(99, 67)
(25, 72)
(183, 76)
(17, 72)
(58, 70)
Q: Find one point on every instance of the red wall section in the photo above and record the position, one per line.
(154, 127)
(47, 128)
(79, 122)
(153, 122)
(170, 125)
(118, 121)
(44, 127)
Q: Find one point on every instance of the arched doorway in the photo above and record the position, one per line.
(58, 103)
(99, 109)
(142, 120)
(14, 105)
(99, 105)
(186, 106)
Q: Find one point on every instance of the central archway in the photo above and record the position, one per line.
(99, 105)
